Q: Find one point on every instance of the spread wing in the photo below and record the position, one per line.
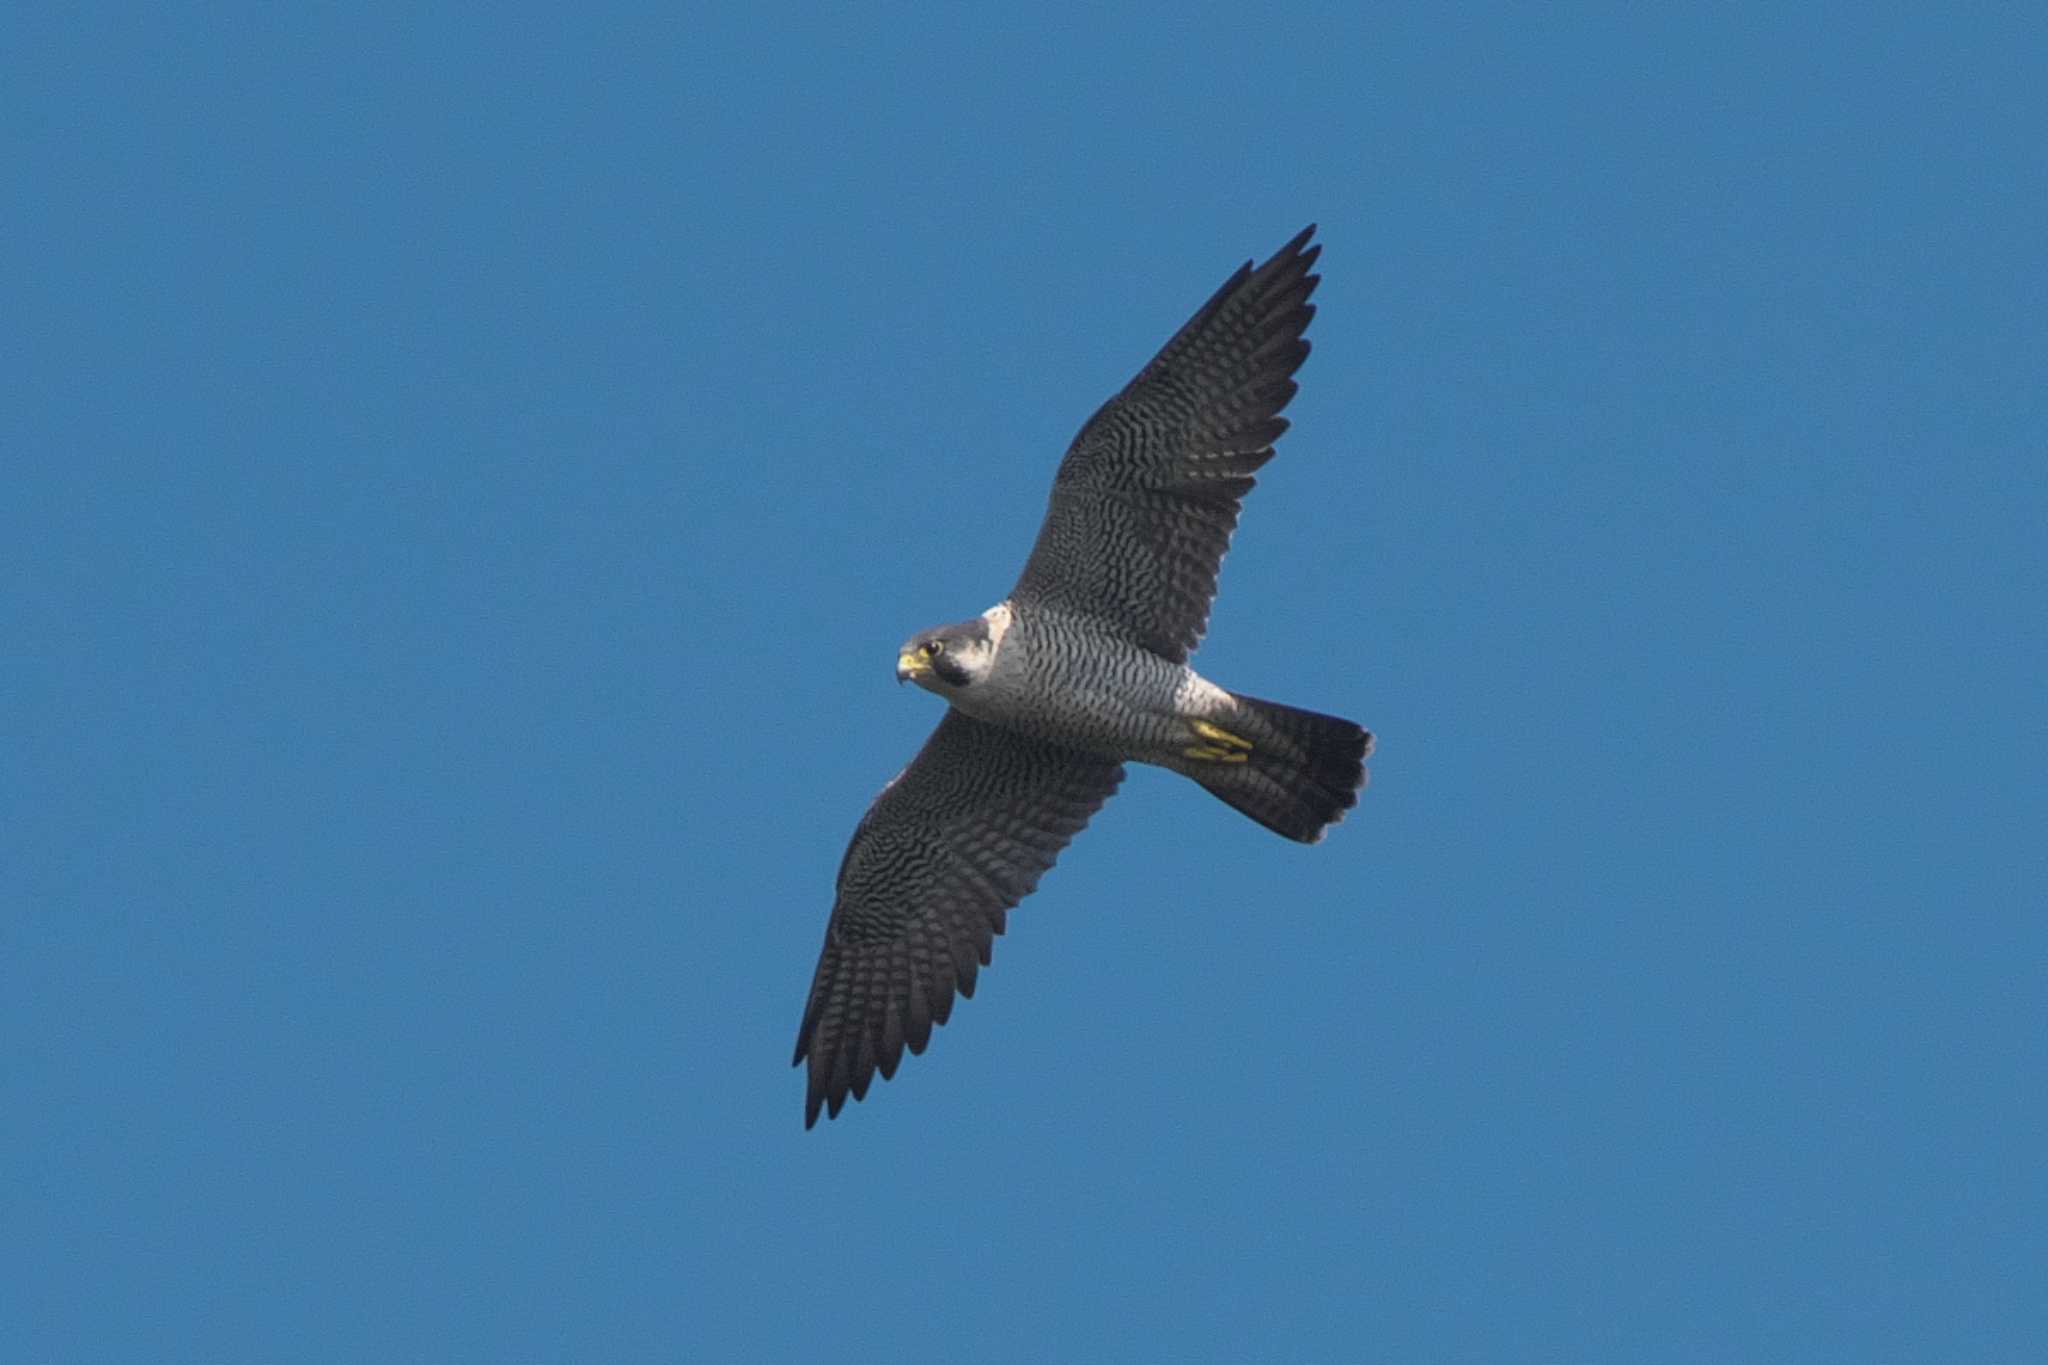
(1148, 494)
(958, 837)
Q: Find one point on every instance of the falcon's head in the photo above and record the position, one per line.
(945, 659)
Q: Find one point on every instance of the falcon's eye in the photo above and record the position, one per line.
(935, 648)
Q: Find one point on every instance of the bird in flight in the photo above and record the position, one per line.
(1082, 668)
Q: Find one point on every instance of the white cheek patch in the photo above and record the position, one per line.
(978, 657)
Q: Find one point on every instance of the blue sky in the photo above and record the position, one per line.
(465, 480)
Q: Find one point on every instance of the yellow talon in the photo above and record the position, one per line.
(1214, 754)
(1219, 736)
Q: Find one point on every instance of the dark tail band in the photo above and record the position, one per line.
(1304, 771)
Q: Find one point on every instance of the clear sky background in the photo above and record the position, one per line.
(462, 483)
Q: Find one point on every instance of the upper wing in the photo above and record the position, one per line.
(953, 842)
(1146, 499)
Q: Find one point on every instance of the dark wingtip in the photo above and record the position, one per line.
(1287, 272)
(1299, 241)
(1293, 259)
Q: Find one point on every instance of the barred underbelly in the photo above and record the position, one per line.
(1089, 691)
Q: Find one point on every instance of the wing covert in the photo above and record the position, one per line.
(1145, 501)
(957, 838)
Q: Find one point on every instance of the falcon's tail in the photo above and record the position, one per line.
(1295, 772)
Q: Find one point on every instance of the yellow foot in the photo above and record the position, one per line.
(1215, 754)
(1222, 746)
(1219, 737)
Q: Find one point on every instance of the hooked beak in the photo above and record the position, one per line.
(908, 666)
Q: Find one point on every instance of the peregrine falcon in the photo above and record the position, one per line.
(1082, 668)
